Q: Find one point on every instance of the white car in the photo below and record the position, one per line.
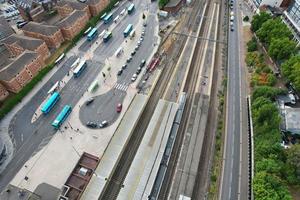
(134, 77)
(103, 124)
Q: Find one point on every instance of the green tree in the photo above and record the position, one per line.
(162, 3)
(267, 92)
(269, 165)
(269, 187)
(291, 70)
(273, 29)
(282, 48)
(246, 18)
(258, 20)
(293, 160)
(271, 79)
(252, 45)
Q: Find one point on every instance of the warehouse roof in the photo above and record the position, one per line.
(15, 67)
(40, 28)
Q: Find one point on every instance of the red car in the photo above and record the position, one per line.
(119, 107)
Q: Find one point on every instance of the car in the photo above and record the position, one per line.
(143, 63)
(103, 124)
(144, 24)
(120, 72)
(142, 38)
(134, 77)
(129, 59)
(143, 33)
(139, 43)
(138, 71)
(119, 107)
(91, 124)
(231, 28)
(133, 53)
(124, 66)
(136, 47)
(231, 23)
(146, 78)
(89, 101)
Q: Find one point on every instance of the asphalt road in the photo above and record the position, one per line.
(30, 138)
(230, 185)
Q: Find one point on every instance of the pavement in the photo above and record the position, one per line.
(234, 176)
(31, 139)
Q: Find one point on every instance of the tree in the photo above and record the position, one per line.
(271, 79)
(246, 18)
(269, 187)
(269, 165)
(282, 48)
(267, 92)
(258, 20)
(273, 29)
(252, 45)
(162, 3)
(293, 161)
(291, 69)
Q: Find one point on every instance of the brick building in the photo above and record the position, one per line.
(96, 6)
(73, 24)
(16, 75)
(37, 14)
(50, 34)
(66, 7)
(17, 44)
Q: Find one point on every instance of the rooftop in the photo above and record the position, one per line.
(15, 67)
(23, 41)
(5, 29)
(173, 3)
(71, 19)
(40, 28)
(73, 4)
(292, 120)
(92, 2)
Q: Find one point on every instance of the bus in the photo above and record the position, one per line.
(107, 36)
(50, 103)
(60, 58)
(78, 70)
(92, 34)
(75, 63)
(108, 18)
(103, 16)
(62, 116)
(128, 30)
(87, 31)
(130, 8)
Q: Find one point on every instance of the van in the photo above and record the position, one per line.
(292, 98)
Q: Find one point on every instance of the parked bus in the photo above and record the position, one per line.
(132, 34)
(122, 12)
(128, 30)
(59, 59)
(87, 30)
(78, 70)
(62, 116)
(75, 63)
(108, 18)
(92, 34)
(46, 108)
(103, 16)
(107, 36)
(102, 33)
(130, 9)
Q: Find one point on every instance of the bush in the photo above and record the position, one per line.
(252, 45)
(246, 18)
(162, 3)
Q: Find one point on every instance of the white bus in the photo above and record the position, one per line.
(102, 34)
(116, 19)
(132, 34)
(60, 58)
(123, 12)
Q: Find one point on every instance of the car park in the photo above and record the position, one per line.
(103, 124)
(143, 63)
(124, 66)
(89, 101)
(120, 72)
(91, 124)
(119, 107)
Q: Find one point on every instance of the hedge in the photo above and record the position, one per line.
(10, 103)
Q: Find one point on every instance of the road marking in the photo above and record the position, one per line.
(122, 87)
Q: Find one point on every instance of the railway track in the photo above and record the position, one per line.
(115, 182)
(191, 88)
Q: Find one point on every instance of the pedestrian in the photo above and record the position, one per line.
(77, 129)
(71, 138)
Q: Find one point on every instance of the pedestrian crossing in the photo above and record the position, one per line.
(122, 86)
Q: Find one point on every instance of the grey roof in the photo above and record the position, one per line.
(73, 4)
(292, 119)
(23, 41)
(43, 29)
(13, 192)
(5, 29)
(71, 19)
(92, 2)
(173, 3)
(15, 67)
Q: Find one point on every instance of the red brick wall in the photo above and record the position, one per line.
(71, 31)
(43, 51)
(54, 40)
(14, 49)
(64, 11)
(97, 8)
(12, 85)
(3, 92)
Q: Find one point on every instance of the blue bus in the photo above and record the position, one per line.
(130, 8)
(92, 34)
(108, 18)
(78, 70)
(107, 36)
(128, 30)
(50, 103)
(103, 16)
(62, 116)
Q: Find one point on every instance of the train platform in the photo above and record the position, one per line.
(115, 147)
(142, 173)
(53, 164)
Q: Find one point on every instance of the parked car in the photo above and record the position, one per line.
(134, 77)
(103, 124)
(89, 101)
(143, 63)
(119, 107)
(133, 53)
(91, 124)
(124, 66)
(120, 72)
(129, 59)
(138, 71)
